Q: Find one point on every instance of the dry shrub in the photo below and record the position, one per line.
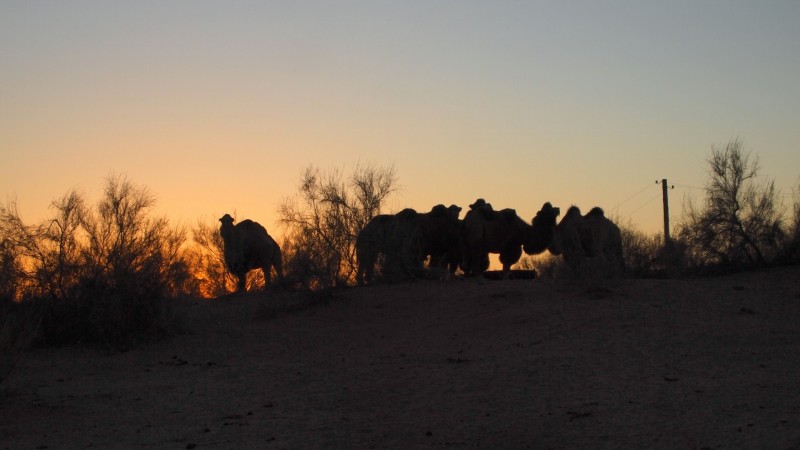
(304, 266)
(207, 259)
(94, 275)
(545, 264)
(322, 222)
(740, 224)
(791, 247)
(646, 255)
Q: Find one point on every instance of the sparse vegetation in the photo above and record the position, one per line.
(791, 248)
(546, 265)
(638, 249)
(322, 222)
(96, 275)
(740, 223)
(9, 272)
(208, 262)
(101, 274)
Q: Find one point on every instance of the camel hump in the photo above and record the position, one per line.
(507, 214)
(596, 212)
(382, 218)
(480, 203)
(250, 226)
(573, 211)
(439, 210)
(407, 213)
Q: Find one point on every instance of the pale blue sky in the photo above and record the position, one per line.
(218, 106)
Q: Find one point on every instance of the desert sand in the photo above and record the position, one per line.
(677, 364)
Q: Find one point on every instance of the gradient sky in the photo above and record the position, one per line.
(218, 106)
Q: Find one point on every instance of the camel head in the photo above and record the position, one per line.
(483, 207)
(438, 210)
(546, 217)
(226, 229)
(480, 203)
(570, 218)
(540, 234)
(450, 212)
(454, 211)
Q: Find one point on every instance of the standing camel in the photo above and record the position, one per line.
(248, 246)
(591, 237)
(486, 230)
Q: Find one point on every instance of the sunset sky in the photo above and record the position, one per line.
(218, 106)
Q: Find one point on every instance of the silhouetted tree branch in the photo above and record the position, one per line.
(322, 222)
(741, 221)
(101, 274)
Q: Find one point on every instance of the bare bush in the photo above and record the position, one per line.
(208, 262)
(102, 274)
(323, 221)
(638, 249)
(303, 266)
(125, 241)
(546, 265)
(47, 254)
(791, 247)
(9, 272)
(740, 223)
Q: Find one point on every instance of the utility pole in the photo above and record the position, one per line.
(664, 189)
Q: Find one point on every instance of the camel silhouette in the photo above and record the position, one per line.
(248, 246)
(486, 230)
(593, 236)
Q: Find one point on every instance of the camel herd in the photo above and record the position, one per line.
(399, 245)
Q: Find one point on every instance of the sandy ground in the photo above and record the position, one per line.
(678, 364)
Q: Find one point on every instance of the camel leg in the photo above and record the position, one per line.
(361, 273)
(369, 273)
(267, 271)
(473, 263)
(479, 262)
(241, 284)
(466, 262)
(366, 269)
(277, 263)
(438, 267)
(509, 257)
(452, 264)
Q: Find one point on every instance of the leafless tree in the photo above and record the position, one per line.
(101, 273)
(791, 251)
(49, 252)
(9, 272)
(323, 220)
(740, 223)
(208, 262)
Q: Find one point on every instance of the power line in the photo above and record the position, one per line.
(649, 185)
(686, 186)
(644, 204)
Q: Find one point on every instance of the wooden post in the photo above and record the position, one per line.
(664, 189)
